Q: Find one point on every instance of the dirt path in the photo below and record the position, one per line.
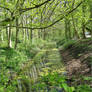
(76, 66)
(76, 59)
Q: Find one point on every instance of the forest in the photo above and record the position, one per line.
(45, 45)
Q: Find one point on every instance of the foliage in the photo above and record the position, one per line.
(31, 31)
(58, 82)
(60, 42)
(69, 44)
(84, 88)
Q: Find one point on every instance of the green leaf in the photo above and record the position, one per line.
(65, 86)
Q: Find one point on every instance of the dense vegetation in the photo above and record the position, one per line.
(45, 45)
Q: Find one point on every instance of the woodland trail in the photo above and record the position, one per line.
(77, 60)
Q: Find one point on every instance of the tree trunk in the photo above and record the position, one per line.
(2, 36)
(17, 30)
(44, 35)
(74, 27)
(91, 16)
(67, 29)
(31, 35)
(66, 36)
(83, 20)
(9, 36)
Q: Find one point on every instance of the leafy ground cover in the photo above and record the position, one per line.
(46, 70)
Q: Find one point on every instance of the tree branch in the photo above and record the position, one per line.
(36, 6)
(5, 8)
(62, 17)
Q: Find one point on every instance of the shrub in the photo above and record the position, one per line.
(69, 44)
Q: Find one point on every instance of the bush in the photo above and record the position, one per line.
(69, 44)
(60, 42)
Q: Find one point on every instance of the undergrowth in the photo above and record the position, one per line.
(58, 83)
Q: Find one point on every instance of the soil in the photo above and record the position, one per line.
(76, 61)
